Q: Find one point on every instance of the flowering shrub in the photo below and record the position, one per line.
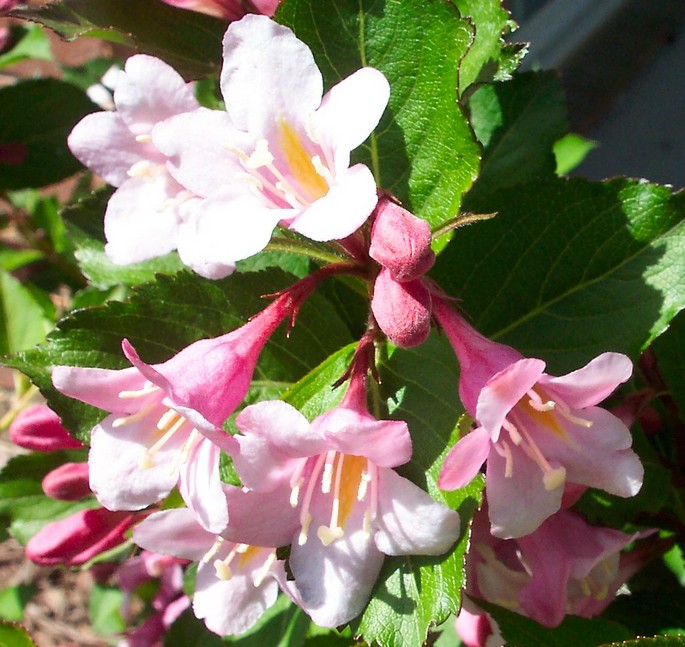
(343, 353)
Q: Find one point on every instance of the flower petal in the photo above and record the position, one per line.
(593, 383)
(464, 460)
(410, 521)
(504, 390)
(141, 219)
(340, 212)
(350, 110)
(174, 532)
(149, 92)
(267, 74)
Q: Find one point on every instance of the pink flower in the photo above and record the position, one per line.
(168, 602)
(164, 420)
(347, 507)
(235, 583)
(537, 432)
(80, 537)
(39, 429)
(227, 9)
(565, 567)
(144, 214)
(281, 154)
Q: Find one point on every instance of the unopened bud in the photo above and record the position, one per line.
(402, 310)
(68, 482)
(39, 429)
(400, 241)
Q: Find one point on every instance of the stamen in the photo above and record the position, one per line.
(566, 413)
(372, 510)
(145, 169)
(145, 138)
(134, 417)
(503, 449)
(213, 550)
(140, 393)
(240, 154)
(328, 534)
(536, 402)
(306, 520)
(190, 444)
(327, 477)
(322, 170)
(145, 461)
(169, 417)
(222, 566)
(261, 157)
(363, 485)
(585, 587)
(513, 432)
(554, 478)
(305, 517)
(264, 571)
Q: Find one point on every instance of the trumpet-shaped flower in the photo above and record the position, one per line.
(143, 216)
(281, 152)
(164, 418)
(565, 567)
(347, 506)
(537, 432)
(235, 583)
(227, 9)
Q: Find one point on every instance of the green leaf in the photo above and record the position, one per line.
(104, 609)
(423, 149)
(189, 41)
(518, 123)
(35, 118)
(656, 641)
(570, 268)
(14, 635)
(32, 44)
(414, 593)
(571, 150)
(23, 323)
(13, 600)
(669, 349)
(188, 631)
(164, 316)
(490, 23)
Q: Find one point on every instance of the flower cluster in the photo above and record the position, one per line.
(320, 502)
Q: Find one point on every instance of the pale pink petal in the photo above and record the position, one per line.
(149, 92)
(464, 460)
(232, 225)
(99, 386)
(503, 391)
(597, 456)
(276, 437)
(520, 503)
(268, 74)
(233, 606)
(410, 522)
(334, 582)
(198, 145)
(201, 488)
(174, 532)
(386, 443)
(593, 383)
(275, 524)
(141, 219)
(103, 143)
(116, 476)
(350, 111)
(340, 212)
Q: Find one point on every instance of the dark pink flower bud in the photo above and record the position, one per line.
(400, 241)
(68, 482)
(80, 537)
(39, 429)
(402, 310)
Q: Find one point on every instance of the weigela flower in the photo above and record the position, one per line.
(565, 567)
(164, 420)
(281, 152)
(144, 214)
(537, 432)
(235, 583)
(347, 507)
